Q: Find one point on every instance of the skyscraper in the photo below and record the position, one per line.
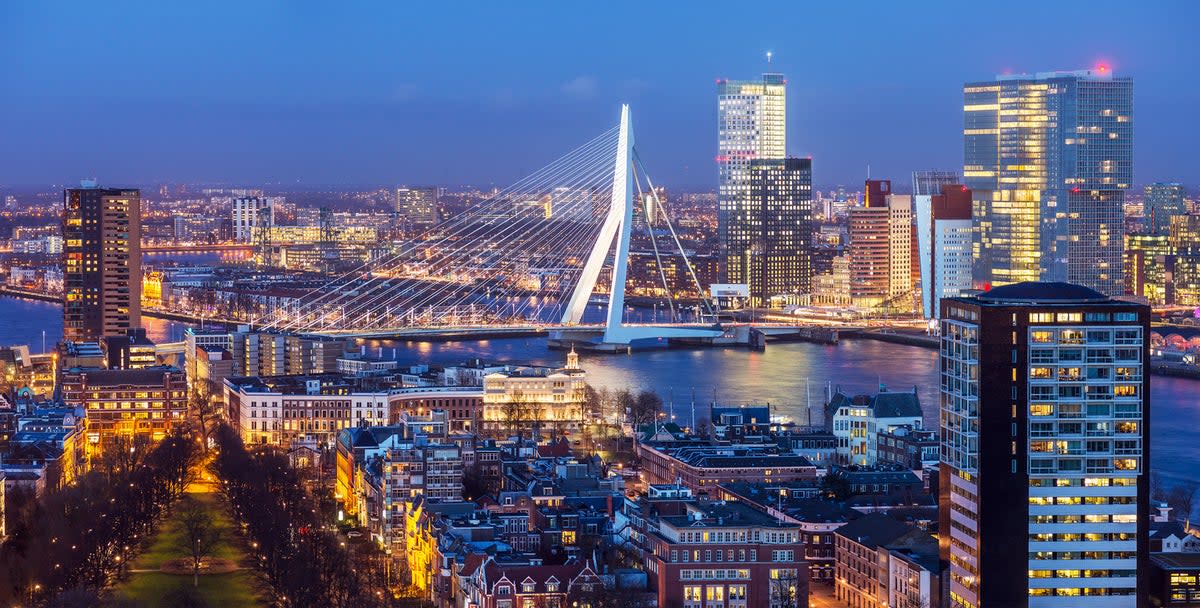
(1044, 459)
(751, 125)
(1162, 201)
(417, 207)
(776, 219)
(1048, 158)
(944, 231)
(880, 249)
(102, 262)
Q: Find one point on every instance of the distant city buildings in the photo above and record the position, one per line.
(751, 126)
(1044, 440)
(251, 216)
(1048, 158)
(1160, 202)
(880, 250)
(417, 207)
(102, 260)
(944, 236)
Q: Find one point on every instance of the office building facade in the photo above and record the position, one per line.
(880, 249)
(944, 236)
(417, 207)
(251, 215)
(776, 224)
(1044, 460)
(751, 125)
(102, 262)
(1048, 157)
(1160, 202)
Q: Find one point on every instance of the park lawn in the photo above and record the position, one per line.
(231, 590)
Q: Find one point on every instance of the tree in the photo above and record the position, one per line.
(646, 407)
(835, 486)
(200, 535)
(784, 587)
(475, 483)
(1182, 497)
(200, 403)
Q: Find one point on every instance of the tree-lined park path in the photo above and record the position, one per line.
(163, 574)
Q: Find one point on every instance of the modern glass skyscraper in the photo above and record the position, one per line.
(751, 125)
(1049, 157)
(1162, 201)
(777, 218)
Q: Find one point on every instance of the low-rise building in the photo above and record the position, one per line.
(863, 576)
(1174, 580)
(279, 410)
(857, 421)
(521, 398)
(818, 518)
(127, 404)
(702, 465)
(913, 448)
(721, 553)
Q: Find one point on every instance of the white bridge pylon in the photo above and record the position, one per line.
(618, 224)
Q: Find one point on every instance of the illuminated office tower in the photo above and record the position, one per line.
(102, 262)
(1161, 202)
(777, 219)
(417, 207)
(751, 125)
(1044, 474)
(944, 231)
(252, 214)
(1049, 157)
(881, 249)
(1150, 268)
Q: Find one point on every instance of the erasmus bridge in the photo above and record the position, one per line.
(531, 257)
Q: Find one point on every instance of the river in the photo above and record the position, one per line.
(777, 376)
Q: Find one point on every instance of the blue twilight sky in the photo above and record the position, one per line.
(257, 91)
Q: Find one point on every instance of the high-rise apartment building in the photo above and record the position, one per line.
(1048, 157)
(751, 125)
(880, 249)
(417, 207)
(1161, 201)
(102, 262)
(1044, 460)
(252, 214)
(776, 226)
(944, 232)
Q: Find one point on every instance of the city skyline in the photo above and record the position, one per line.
(355, 106)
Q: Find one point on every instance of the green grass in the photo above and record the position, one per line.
(231, 590)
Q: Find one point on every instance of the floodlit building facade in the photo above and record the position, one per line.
(1048, 157)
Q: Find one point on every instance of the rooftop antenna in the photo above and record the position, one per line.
(769, 53)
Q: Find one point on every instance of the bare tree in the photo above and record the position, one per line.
(784, 589)
(200, 535)
(1182, 497)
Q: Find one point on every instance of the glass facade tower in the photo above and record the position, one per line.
(1049, 157)
(751, 125)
